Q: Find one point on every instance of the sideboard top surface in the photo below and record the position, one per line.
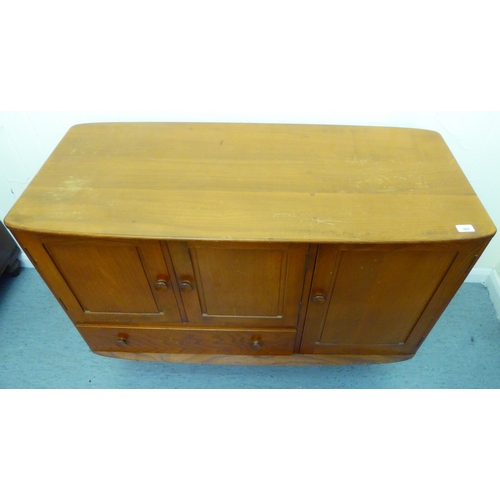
(252, 182)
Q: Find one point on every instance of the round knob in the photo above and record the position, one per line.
(186, 286)
(256, 345)
(319, 299)
(161, 285)
(121, 341)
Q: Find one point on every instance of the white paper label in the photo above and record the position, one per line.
(465, 228)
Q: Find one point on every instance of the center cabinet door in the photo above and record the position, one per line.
(240, 284)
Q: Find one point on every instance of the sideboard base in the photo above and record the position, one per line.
(293, 360)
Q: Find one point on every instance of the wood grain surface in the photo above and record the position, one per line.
(255, 342)
(293, 360)
(251, 244)
(245, 182)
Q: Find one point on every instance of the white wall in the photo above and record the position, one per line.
(368, 63)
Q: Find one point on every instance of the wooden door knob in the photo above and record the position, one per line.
(161, 285)
(319, 299)
(186, 286)
(256, 345)
(121, 342)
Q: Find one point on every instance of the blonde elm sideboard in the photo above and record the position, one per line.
(251, 243)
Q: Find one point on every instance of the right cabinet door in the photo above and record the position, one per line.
(370, 299)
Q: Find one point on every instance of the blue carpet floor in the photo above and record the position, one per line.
(39, 348)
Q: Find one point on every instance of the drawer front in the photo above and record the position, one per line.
(189, 341)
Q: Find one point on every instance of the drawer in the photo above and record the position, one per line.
(189, 340)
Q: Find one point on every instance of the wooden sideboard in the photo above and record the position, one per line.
(252, 243)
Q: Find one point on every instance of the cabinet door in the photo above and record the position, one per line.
(370, 299)
(108, 281)
(240, 284)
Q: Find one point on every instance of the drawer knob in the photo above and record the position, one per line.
(121, 342)
(319, 299)
(186, 286)
(161, 285)
(256, 345)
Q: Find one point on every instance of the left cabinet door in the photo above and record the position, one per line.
(107, 281)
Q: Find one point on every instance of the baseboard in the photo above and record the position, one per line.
(489, 278)
(478, 275)
(493, 285)
(25, 262)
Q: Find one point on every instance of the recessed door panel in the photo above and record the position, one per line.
(105, 278)
(115, 280)
(247, 282)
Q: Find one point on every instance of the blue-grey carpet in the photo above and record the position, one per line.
(39, 348)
